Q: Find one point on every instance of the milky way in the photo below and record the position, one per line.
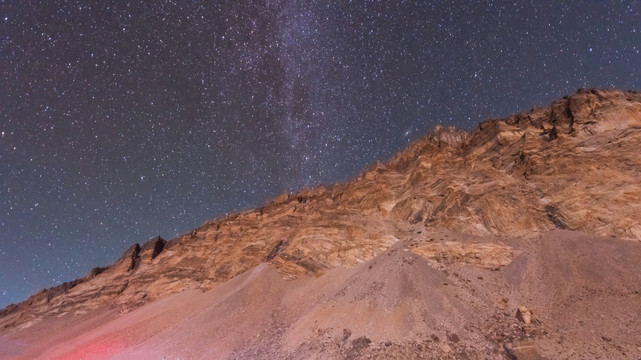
(122, 120)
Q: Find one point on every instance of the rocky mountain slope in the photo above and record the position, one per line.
(429, 255)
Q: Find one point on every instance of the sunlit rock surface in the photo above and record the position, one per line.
(427, 255)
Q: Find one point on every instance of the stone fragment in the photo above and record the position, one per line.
(524, 315)
(523, 350)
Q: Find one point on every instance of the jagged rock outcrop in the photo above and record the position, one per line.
(574, 165)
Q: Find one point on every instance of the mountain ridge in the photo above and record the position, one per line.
(560, 111)
(571, 166)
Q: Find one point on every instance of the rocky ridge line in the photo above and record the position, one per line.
(553, 167)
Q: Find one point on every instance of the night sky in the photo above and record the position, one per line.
(122, 120)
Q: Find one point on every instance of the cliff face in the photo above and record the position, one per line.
(575, 165)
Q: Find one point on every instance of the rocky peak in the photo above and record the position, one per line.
(586, 111)
(448, 135)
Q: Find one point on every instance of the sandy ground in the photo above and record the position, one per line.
(583, 292)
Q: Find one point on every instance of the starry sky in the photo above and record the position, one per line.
(122, 120)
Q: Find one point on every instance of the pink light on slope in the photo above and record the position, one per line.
(98, 349)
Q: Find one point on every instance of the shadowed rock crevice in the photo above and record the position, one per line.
(135, 257)
(96, 271)
(275, 251)
(159, 246)
(552, 214)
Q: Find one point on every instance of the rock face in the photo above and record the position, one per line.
(461, 219)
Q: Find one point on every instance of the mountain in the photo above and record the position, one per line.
(519, 240)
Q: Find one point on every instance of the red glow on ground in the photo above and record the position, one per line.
(93, 350)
